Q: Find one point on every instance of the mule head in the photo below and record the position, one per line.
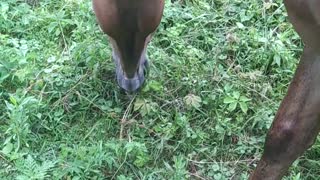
(129, 25)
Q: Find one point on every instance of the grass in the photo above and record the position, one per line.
(219, 70)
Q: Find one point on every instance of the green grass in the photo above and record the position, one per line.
(219, 70)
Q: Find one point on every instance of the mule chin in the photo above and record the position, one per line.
(131, 84)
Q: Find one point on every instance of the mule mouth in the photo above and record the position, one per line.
(135, 83)
(130, 84)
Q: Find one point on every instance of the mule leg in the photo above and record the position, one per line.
(297, 122)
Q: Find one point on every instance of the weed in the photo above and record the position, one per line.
(219, 70)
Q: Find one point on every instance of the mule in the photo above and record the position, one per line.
(130, 23)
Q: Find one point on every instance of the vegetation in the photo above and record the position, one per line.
(219, 70)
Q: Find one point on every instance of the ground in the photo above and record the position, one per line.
(219, 70)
